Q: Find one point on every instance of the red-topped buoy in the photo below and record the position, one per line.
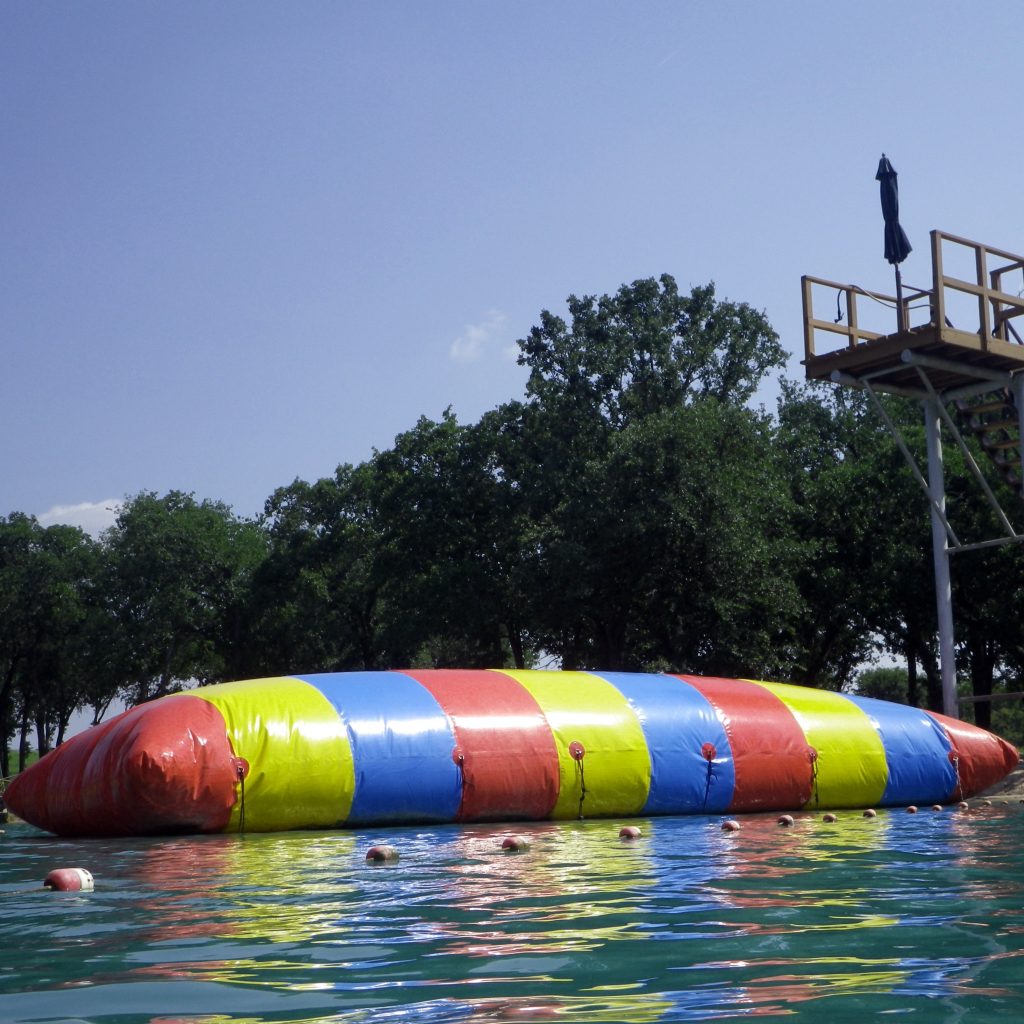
(629, 832)
(69, 880)
(381, 855)
(730, 825)
(515, 844)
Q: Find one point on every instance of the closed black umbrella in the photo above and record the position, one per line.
(897, 245)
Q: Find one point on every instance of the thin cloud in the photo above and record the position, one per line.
(477, 340)
(92, 516)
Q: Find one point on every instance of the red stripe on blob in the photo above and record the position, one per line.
(161, 767)
(982, 759)
(769, 748)
(508, 755)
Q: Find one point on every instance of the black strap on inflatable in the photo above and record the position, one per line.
(577, 752)
(241, 770)
(709, 753)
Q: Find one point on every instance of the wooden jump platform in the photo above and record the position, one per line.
(956, 358)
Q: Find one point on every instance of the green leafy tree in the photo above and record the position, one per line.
(47, 611)
(451, 546)
(649, 485)
(178, 569)
(315, 601)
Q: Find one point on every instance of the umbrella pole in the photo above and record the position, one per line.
(901, 314)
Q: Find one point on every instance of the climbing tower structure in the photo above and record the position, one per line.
(958, 348)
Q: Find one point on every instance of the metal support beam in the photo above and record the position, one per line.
(1017, 387)
(940, 556)
(969, 459)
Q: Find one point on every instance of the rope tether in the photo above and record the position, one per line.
(709, 753)
(577, 752)
(241, 770)
(812, 756)
(460, 763)
(954, 760)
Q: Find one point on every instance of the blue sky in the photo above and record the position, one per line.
(243, 242)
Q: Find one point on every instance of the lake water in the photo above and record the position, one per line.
(920, 916)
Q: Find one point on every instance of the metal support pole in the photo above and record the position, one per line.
(1017, 386)
(901, 313)
(940, 556)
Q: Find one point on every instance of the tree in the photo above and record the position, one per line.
(177, 571)
(648, 348)
(635, 456)
(47, 605)
(315, 601)
(451, 529)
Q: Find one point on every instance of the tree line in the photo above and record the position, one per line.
(631, 511)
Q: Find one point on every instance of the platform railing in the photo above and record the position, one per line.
(997, 305)
(848, 325)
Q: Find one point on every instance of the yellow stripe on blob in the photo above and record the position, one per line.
(599, 740)
(848, 755)
(300, 771)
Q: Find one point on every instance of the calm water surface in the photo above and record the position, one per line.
(920, 916)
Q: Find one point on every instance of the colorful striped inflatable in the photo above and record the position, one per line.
(378, 748)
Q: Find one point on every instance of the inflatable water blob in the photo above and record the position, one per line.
(388, 748)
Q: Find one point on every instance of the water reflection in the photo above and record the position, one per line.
(686, 923)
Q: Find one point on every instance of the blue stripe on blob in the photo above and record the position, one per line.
(916, 752)
(402, 744)
(677, 721)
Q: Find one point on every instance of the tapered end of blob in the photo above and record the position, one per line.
(981, 758)
(161, 767)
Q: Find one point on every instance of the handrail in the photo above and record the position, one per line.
(997, 308)
(851, 330)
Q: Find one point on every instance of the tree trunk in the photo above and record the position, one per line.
(982, 672)
(933, 679)
(912, 694)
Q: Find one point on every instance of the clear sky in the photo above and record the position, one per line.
(241, 243)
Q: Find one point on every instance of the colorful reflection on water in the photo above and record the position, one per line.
(911, 914)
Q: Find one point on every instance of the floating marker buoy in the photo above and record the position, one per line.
(786, 819)
(988, 803)
(381, 855)
(936, 807)
(869, 813)
(963, 806)
(829, 818)
(911, 809)
(69, 880)
(731, 825)
(629, 832)
(515, 844)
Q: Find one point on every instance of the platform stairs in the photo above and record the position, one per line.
(994, 420)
